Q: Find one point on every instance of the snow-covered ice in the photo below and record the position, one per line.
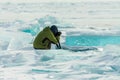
(21, 22)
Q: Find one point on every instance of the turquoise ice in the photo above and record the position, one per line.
(92, 40)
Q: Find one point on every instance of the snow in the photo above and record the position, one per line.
(21, 21)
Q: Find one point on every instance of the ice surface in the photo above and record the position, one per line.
(21, 22)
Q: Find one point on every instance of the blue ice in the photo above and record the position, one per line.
(94, 40)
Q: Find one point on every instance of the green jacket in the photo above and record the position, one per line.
(44, 39)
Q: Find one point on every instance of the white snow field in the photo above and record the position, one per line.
(21, 21)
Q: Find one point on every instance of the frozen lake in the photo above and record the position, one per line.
(20, 23)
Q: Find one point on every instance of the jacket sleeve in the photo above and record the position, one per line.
(58, 38)
(52, 38)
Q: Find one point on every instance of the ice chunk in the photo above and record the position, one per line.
(3, 45)
(18, 23)
(112, 49)
(47, 21)
(19, 40)
(15, 44)
(11, 59)
(34, 29)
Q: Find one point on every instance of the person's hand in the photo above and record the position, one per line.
(58, 33)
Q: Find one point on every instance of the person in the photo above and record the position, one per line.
(46, 37)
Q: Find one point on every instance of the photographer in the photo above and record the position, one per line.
(46, 37)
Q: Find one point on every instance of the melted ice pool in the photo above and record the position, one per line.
(92, 40)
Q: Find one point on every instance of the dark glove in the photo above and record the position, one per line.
(58, 33)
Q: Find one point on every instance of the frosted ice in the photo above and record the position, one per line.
(21, 22)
